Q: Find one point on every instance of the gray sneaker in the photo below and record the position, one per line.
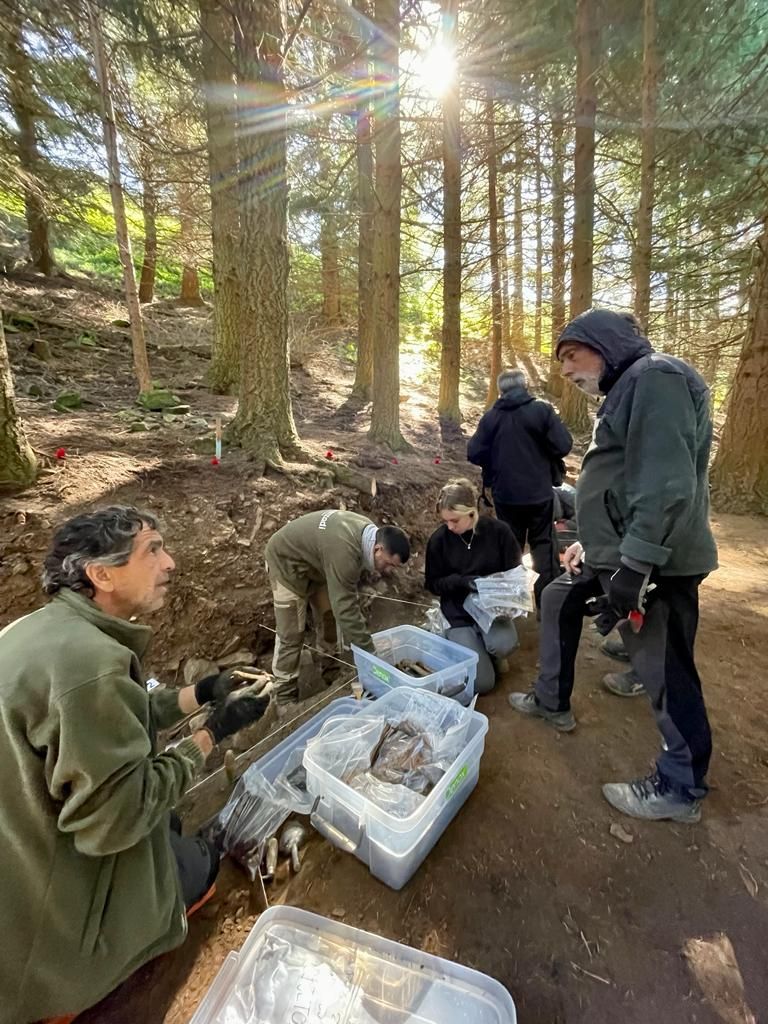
(653, 799)
(623, 684)
(527, 704)
(614, 647)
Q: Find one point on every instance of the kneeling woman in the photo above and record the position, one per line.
(464, 547)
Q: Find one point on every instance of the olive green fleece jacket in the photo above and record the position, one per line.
(325, 549)
(88, 883)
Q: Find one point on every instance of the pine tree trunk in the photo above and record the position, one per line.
(264, 422)
(584, 164)
(329, 264)
(190, 287)
(450, 360)
(673, 277)
(18, 466)
(149, 213)
(740, 469)
(221, 118)
(643, 243)
(361, 389)
(190, 279)
(558, 243)
(21, 98)
(140, 359)
(537, 331)
(574, 408)
(518, 307)
(385, 412)
(493, 231)
(509, 352)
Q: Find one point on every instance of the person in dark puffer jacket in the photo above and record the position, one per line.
(520, 443)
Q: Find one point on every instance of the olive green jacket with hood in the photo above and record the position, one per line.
(325, 549)
(643, 492)
(88, 883)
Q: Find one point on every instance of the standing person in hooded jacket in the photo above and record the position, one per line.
(519, 443)
(642, 508)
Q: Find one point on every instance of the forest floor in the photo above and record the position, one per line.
(664, 924)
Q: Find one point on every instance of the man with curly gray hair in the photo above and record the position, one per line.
(95, 877)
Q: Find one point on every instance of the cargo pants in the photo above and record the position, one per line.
(290, 624)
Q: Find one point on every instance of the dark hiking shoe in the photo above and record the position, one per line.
(653, 799)
(527, 704)
(623, 684)
(614, 647)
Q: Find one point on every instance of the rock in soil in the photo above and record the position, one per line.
(618, 831)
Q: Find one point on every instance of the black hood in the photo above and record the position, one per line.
(614, 336)
(513, 398)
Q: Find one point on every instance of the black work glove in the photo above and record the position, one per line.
(215, 688)
(234, 714)
(626, 590)
(455, 583)
(597, 606)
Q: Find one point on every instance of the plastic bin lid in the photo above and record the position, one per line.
(299, 967)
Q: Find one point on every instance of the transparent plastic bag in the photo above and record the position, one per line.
(435, 621)
(502, 595)
(291, 784)
(307, 976)
(399, 801)
(345, 744)
(253, 813)
(394, 755)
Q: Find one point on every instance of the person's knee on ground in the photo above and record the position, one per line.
(501, 639)
(471, 638)
(485, 680)
(197, 862)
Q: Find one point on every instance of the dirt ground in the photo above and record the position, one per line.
(528, 884)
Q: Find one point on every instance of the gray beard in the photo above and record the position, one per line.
(590, 386)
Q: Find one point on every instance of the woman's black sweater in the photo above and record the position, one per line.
(450, 565)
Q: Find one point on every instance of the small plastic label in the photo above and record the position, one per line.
(380, 673)
(456, 782)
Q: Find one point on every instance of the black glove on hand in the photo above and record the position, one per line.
(626, 590)
(456, 582)
(213, 689)
(597, 606)
(234, 714)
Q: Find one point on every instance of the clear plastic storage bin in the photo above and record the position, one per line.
(292, 747)
(394, 847)
(453, 667)
(299, 967)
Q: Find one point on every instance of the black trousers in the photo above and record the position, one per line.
(661, 655)
(535, 524)
(197, 862)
